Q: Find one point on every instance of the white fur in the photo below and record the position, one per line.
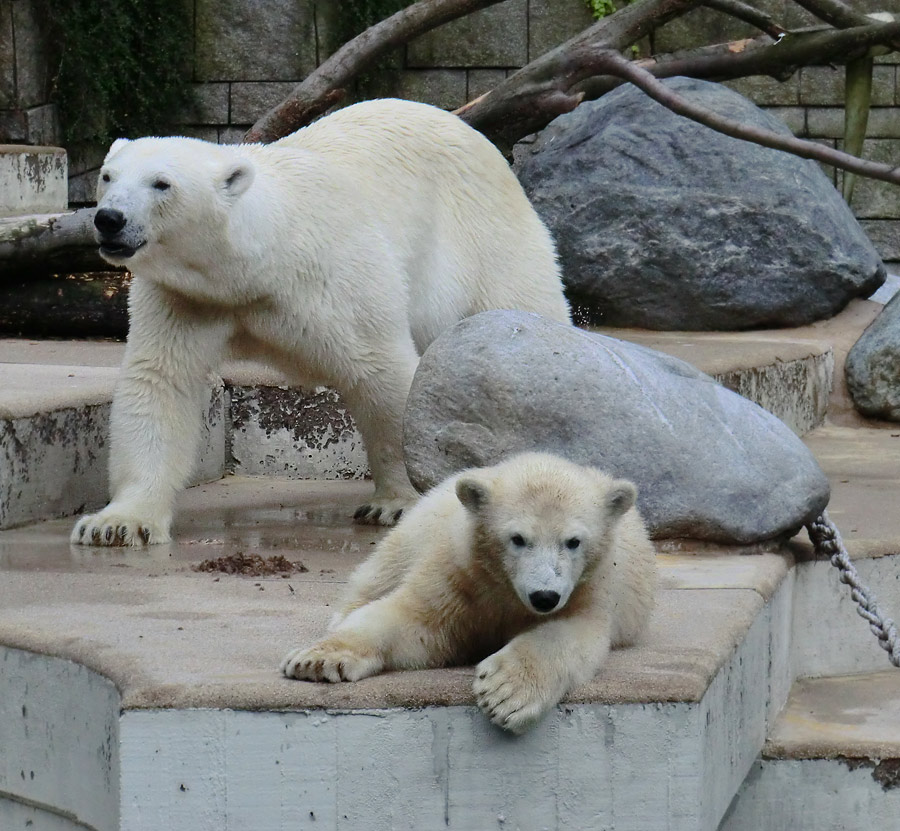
(336, 254)
(453, 582)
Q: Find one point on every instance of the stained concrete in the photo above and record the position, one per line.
(145, 620)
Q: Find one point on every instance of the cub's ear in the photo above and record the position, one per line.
(620, 498)
(473, 493)
(237, 176)
(116, 146)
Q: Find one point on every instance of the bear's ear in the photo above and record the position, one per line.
(620, 498)
(116, 146)
(473, 493)
(237, 177)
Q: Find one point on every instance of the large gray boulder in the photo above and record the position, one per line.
(873, 366)
(664, 224)
(709, 464)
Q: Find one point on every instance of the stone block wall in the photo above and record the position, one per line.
(248, 54)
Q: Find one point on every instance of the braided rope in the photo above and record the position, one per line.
(826, 540)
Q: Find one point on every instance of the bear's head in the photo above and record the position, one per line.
(157, 192)
(544, 522)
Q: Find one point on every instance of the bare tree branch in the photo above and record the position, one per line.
(749, 14)
(326, 86)
(528, 100)
(835, 13)
(658, 91)
(43, 244)
(544, 89)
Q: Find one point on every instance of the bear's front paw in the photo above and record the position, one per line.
(330, 662)
(383, 511)
(114, 527)
(510, 694)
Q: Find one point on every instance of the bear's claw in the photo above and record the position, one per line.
(110, 529)
(386, 513)
(508, 694)
(322, 663)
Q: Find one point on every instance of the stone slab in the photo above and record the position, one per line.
(493, 37)
(861, 465)
(854, 717)
(33, 180)
(237, 41)
(54, 424)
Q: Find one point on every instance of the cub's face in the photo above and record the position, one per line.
(549, 523)
(157, 191)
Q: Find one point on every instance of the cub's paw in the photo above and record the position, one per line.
(330, 662)
(509, 693)
(382, 511)
(112, 527)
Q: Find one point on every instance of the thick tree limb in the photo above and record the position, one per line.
(528, 100)
(536, 94)
(834, 12)
(326, 86)
(43, 244)
(756, 56)
(658, 91)
(749, 14)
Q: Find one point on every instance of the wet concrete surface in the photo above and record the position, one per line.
(169, 636)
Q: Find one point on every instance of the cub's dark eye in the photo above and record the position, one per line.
(517, 540)
(161, 184)
(105, 177)
(572, 543)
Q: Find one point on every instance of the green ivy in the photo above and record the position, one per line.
(600, 8)
(124, 66)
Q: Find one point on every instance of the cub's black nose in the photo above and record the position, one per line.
(544, 601)
(109, 221)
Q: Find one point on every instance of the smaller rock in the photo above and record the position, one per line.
(873, 366)
(708, 463)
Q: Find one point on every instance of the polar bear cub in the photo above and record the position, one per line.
(335, 255)
(535, 567)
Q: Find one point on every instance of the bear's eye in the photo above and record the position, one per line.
(572, 543)
(517, 540)
(105, 177)
(161, 184)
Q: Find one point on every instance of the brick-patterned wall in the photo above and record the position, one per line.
(248, 54)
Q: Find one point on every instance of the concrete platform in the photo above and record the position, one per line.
(144, 636)
(837, 742)
(137, 693)
(54, 410)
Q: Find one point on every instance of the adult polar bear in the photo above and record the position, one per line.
(336, 254)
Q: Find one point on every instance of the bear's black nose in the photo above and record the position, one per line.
(544, 601)
(109, 221)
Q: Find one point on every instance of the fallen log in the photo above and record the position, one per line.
(43, 244)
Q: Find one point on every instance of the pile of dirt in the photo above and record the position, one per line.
(251, 565)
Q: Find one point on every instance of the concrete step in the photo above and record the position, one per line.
(33, 180)
(137, 693)
(831, 762)
(54, 410)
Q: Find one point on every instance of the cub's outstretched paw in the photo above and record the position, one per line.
(509, 693)
(382, 511)
(111, 527)
(329, 661)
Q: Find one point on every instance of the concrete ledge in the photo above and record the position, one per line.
(60, 736)
(210, 736)
(832, 760)
(54, 426)
(33, 180)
